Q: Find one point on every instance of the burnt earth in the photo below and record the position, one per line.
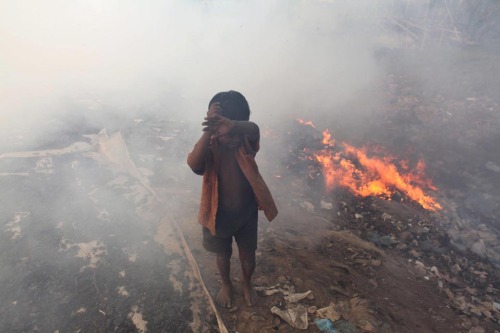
(88, 241)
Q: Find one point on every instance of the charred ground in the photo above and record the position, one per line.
(86, 245)
(426, 272)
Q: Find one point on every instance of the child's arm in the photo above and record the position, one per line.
(196, 159)
(248, 128)
(223, 126)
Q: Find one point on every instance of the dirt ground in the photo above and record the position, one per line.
(377, 288)
(388, 266)
(98, 225)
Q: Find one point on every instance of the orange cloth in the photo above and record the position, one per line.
(245, 156)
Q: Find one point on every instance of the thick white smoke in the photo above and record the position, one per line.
(172, 56)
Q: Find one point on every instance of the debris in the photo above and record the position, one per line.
(268, 291)
(325, 325)
(340, 290)
(294, 298)
(329, 312)
(308, 206)
(420, 267)
(326, 205)
(415, 253)
(360, 315)
(384, 241)
(271, 292)
(349, 237)
(386, 216)
(345, 327)
(312, 309)
(295, 317)
(366, 326)
(496, 306)
(420, 264)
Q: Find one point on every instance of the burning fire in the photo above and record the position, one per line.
(308, 123)
(364, 175)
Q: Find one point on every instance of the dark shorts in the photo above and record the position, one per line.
(242, 226)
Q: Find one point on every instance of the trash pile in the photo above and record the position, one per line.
(298, 307)
(84, 244)
(469, 281)
(458, 259)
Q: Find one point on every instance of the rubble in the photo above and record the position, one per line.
(456, 254)
(79, 232)
(295, 316)
(325, 325)
(354, 311)
(347, 263)
(294, 298)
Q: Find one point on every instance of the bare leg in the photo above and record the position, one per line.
(225, 294)
(247, 259)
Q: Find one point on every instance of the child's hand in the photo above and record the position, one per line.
(215, 109)
(223, 126)
(218, 125)
(213, 115)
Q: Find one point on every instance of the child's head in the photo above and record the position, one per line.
(234, 105)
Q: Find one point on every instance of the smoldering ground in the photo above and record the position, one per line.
(77, 225)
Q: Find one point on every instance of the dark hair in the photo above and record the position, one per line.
(234, 105)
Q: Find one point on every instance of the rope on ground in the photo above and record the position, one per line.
(196, 270)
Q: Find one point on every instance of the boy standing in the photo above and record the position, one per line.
(233, 189)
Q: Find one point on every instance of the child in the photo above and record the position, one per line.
(233, 189)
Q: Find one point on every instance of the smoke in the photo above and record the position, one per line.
(102, 63)
(126, 57)
(69, 68)
(72, 68)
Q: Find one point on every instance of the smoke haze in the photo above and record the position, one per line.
(84, 169)
(123, 56)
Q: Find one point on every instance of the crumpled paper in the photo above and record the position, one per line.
(294, 298)
(295, 316)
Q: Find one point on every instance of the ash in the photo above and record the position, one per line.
(89, 242)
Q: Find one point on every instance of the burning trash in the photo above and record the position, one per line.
(363, 171)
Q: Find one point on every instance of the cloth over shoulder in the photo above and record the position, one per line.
(245, 156)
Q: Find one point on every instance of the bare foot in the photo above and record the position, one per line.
(225, 295)
(249, 293)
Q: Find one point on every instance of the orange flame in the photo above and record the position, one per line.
(308, 123)
(327, 138)
(373, 176)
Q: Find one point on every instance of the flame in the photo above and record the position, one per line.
(365, 175)
(307, 123)
(327, 139)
